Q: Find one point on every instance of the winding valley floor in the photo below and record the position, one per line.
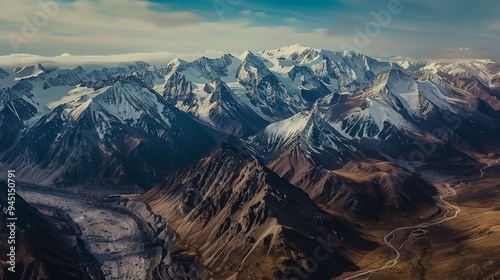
(115, 238)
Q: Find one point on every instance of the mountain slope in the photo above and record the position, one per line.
(239, 219)
(14, 110)
(126, 134)
(213, 103)
(315, 157)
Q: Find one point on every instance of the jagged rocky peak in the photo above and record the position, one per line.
(78, 70)
(251, 68)
(304, 55)
(176, 64)
(220, 91)
(387, 81)
(302, 139)
(217, 88)
(30, 71)
(299, 70)
(295, 52)
(127, 99)
(281, 133)
(132, 67)
(212, 68)
(139, 66)
(396, 74)
(228, 113)
(300, 54)
(201, 68)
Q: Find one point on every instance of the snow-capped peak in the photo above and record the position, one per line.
(282, 132)
(244, 55)
(29, 71)
(176, 64)
(287, 50)
(127, 100)
(287, 56)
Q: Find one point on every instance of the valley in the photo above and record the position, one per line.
(121, 244)
(457, 245)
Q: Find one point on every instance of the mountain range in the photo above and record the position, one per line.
(252, 159)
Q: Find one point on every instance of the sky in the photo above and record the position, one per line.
(416, 28)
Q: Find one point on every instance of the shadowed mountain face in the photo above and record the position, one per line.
(238, 218)
(47, 247)
(127, 134)
(364, 189)
(13, 111)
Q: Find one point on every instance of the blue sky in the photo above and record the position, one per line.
(423, 28)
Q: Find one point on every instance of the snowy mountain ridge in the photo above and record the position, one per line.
(294, 96)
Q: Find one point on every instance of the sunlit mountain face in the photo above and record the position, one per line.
(249, 140)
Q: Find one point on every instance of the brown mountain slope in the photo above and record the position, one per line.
(367, 188)
(242, 221)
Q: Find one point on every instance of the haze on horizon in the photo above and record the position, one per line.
(424, 28)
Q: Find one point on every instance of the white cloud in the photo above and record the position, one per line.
(252, 13)
(129, 26)
(247, 12)
(67, 60)
(95, 23)
(461, 53)
(494, 26)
